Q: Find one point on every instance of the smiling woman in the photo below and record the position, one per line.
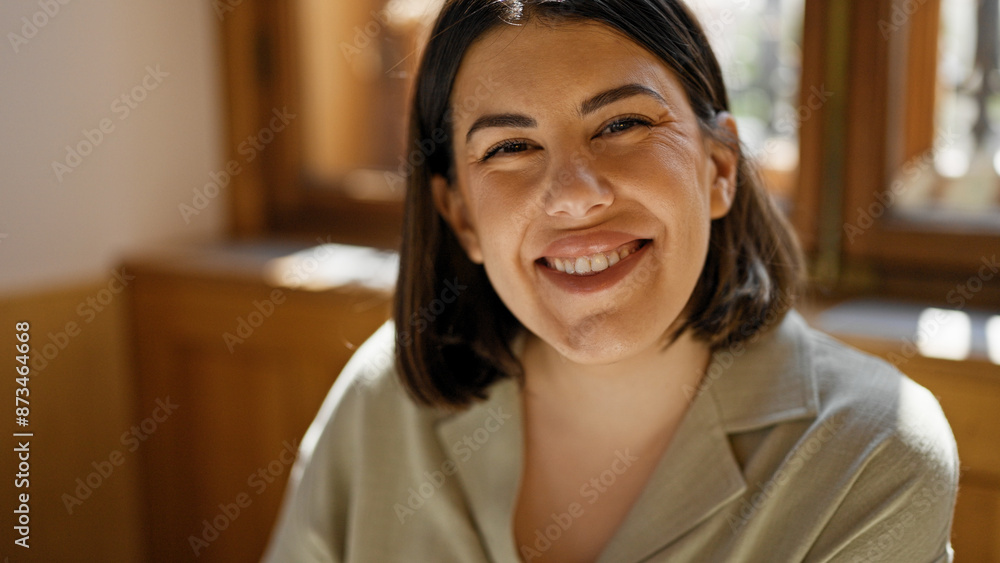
(616, 374)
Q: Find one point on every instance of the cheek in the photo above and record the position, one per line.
(668, 175)
(504, 214)
(503, 210)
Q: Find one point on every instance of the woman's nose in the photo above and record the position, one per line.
(576, 191)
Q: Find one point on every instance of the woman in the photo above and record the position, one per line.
(595, 358)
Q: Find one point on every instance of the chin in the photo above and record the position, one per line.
(597, 349)
(595, 341)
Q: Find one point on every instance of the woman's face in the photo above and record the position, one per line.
(583, 185)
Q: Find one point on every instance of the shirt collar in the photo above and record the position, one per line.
(766, 381)
(489, 464)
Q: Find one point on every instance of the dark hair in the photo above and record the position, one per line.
(453, 333)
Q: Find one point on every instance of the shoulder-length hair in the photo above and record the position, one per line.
(453, 333)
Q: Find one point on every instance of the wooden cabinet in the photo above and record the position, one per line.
(231, 368)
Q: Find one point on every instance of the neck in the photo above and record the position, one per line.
(654, 385)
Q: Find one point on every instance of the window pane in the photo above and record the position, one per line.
(357, 60)
(758, 44)
(963, 184)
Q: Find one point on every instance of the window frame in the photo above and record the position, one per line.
(271, 198)
(904, 257)
(846, 156)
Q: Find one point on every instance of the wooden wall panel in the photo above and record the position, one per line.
(240, 409)
(81, 402)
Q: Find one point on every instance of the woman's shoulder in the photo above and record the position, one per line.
(898, 458)
(842, 446)
(794, 372)
(369, 388)
(366, 416)
(371, 369)
(369, 442)
(830, 392)
(878, 399)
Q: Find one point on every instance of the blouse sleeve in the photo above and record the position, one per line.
(900, 507)
(313, 525)
(306, 530)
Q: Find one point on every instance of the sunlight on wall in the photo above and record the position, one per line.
(993, 338)
(334, 265)
(951, 334)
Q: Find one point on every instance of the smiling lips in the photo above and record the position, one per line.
(594, 263)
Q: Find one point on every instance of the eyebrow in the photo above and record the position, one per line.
(613, 95)
(500, 120)
(588, 107)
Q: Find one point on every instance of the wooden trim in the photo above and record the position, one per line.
(866, 118)
(933, 250)
(269, 196)
(329, 216)
(835, 65)
(242, 97)
(805, 212)
(283, 163)
(920, 80)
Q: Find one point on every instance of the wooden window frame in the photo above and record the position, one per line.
(869, 151)
(845, 149)
(900, 256)
(270, 198)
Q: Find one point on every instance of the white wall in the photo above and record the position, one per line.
(125, 194)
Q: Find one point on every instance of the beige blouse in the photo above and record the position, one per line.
(795, 448)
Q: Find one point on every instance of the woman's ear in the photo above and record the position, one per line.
(725, 156)
(451, 205)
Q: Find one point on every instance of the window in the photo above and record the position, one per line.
(343, 70)
(918, 142)
(959, 183)
(759, 47)
(357, 63)
(875, 122)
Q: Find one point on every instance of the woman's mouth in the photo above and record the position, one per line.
(592, 264)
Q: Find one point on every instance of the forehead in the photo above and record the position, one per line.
(556, 64)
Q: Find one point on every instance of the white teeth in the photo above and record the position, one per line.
(594, 263)
(599, 263)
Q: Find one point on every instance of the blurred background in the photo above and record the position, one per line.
(199, 201)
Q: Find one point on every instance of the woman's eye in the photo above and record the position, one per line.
(625, 124)
(505, 147)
